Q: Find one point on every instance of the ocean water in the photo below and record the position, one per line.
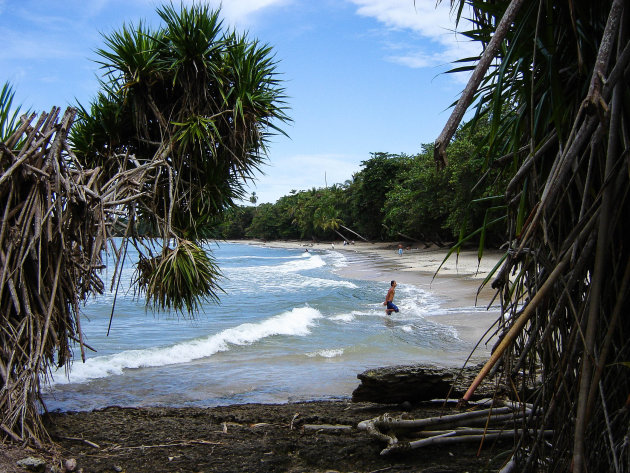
(288, 328)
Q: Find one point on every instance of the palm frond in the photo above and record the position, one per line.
(9, 114)
(180, 278)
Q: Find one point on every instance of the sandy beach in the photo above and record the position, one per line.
(415, 259)
(275, 437)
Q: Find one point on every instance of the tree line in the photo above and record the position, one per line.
(392, 197)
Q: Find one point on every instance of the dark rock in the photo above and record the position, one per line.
(406, 406)
(399, 384)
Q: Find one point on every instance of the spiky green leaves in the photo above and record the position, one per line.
(202, 99)
(8, 113)
(187, 109)
(180, 278)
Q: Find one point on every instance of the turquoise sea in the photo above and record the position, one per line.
(288, 328)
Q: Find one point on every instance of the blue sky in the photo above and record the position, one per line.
(362, 76)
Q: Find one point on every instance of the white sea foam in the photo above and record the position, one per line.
(415, 302)
(319, 282)
(264, 280)
(326, 353)
(296, 322)
(303, 263)
(338, 260)
(346, 317)
(469, 310)
(252, 257)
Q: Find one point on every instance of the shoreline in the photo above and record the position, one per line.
(317, 437)
(456, 284)
(425, 261)
(272, 437)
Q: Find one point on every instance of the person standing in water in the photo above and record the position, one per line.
(389, 299)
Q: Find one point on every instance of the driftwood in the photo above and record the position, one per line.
(401, 433)
(328, 427)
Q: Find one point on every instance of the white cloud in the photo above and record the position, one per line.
(429, 22)
(239, 12)
(423, 17)
(416, 60)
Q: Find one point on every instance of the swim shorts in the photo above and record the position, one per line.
(391, 306)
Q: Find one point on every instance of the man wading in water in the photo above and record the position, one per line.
(389, 299)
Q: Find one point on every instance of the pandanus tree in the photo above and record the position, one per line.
(193, 105)
(181, 123)
(552, 80)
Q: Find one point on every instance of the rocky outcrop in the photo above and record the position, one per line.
(397, 384)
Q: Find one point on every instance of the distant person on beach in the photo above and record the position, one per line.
(400, 250)
(389, 299)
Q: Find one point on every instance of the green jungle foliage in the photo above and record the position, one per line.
(392, 197)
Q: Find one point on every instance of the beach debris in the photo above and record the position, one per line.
(70, 464)
(477, 425)
(295, 416)
(80, 439)
(328, 427)
(32, 464)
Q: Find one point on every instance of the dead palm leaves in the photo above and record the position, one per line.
(52, 234)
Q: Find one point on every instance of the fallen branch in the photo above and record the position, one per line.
(453, 439)
(355, 233)
(328, 427)
(389, 422)
(79, 439)
(162, 445)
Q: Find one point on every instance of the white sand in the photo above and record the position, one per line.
(416, 259)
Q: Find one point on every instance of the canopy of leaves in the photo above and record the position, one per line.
(392, 197)
(191, 104)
